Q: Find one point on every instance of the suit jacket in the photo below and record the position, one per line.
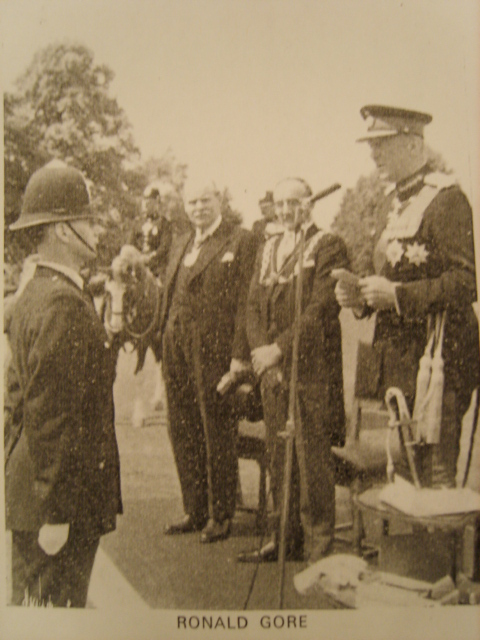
(217, 292)
(62, 463)
(270, 318)
(429, 251)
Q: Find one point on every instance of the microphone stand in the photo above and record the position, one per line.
(293, 424)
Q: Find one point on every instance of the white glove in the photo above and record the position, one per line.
(52, 537)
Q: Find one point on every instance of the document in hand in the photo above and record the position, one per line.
(345, 277)
(425, 502)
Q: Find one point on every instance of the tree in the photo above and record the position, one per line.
(61, 108)
(361, 219)
(228, 212)
(166, 168)
(363, 215)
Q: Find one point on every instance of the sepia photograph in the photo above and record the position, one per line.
(241, 363)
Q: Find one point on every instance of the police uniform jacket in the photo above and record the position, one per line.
(427, 248)
(270, 318)
(62, 463)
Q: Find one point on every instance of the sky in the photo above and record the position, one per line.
(247, 92)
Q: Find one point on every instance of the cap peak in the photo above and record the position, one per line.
(390, 121)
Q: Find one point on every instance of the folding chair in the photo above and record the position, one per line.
(251, 443)
(362, 461)
(251, 446)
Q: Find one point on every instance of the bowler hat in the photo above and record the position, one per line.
(391, 121)
(54, 193)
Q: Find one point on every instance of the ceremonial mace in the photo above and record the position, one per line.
(293, 425)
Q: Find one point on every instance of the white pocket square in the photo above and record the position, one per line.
(228, 257)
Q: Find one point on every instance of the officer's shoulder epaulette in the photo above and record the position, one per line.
(440, 180)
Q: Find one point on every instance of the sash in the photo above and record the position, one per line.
(404, 222)
(269, 275)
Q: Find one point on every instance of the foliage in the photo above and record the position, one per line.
(61, 108)
(165, 168)
(228, 212)
(361, 219)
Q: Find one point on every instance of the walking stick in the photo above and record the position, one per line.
(293, 423)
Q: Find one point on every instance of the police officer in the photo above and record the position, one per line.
(62, 466)
(425, 264)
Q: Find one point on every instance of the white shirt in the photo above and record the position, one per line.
(286, 246)
(200, 237)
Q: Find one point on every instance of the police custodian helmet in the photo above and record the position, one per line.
(54, 193)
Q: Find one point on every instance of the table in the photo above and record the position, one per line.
(455, 525)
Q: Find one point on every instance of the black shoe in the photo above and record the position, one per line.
(187, 525)
(269, 553)
(215, 531)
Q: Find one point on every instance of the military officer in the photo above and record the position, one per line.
(270, 331)
(62, 482)
(425, 265)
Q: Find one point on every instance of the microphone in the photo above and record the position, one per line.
(324, 193)
(317, 196)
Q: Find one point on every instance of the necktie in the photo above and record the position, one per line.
(192, 255)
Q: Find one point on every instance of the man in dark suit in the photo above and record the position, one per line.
(202, 322)
(62, 466)
(425, 265)
(320, 409)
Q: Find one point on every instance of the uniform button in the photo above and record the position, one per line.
(106, 345)
(101, 466)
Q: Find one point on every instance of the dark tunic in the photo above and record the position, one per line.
(427, 247)
(62, 463)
